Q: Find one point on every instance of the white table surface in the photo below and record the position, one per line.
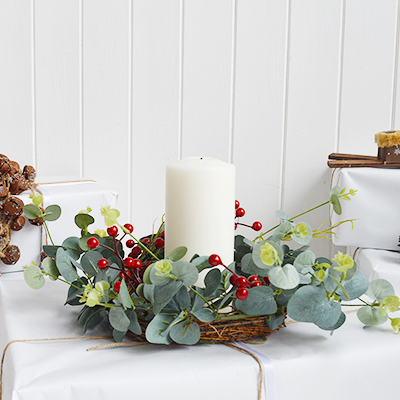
(354, 363)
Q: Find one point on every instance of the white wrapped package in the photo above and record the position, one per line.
(375, 206)
(72, 195)
(380, 264)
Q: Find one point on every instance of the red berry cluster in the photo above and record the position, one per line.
(133, 266)
(240, 212)
(241, 282)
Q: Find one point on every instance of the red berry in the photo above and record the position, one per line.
(130, 243)
(266, 280)
(240, 212)
(253, 278)
(128, 262)
(124, 274)
(137, 264)
(214, 260)
(257, 226)
(162, 234)
(146, 241)
(257, 283)
(102, 263)
(237, 204)
(159, 242)
(236, 226)
(129, 227)
(92, 243)
(232, 280)
(117, 286)
(241, 282)
(242, 293)
(135, 252)
(112, 231)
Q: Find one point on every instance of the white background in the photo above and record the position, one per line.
(113, 90)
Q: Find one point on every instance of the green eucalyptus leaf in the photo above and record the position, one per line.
(34, 277)
(157, 326)
(304, 260)
(177, 253)
(89, 317)
(32, 211)
(249, 267)
(50, 250)
(118, 319)
(181, 300)
(146, 275)
(111, 273)
(165, 294)
(134, 324)
(354, 287)
(258, 249)
(281, 215)
(36, 199)
(337, 325)
(332, 279)
(118, 335)
(197, 302)
(379, 289)
(274, 321)
(149, 292)
(212, 281)
(52, 213)
(285, 277)
(299, 237)
(186, 272)
(89, 262)
(334, 200)
(82, 221)
(73, 292)
(371, 316)
(335, 191)
(201, 263)
(204, 315)
(156, 279)
(49, 265)
(64, 265)
(124, 297)
(185, 333)
(259, 302)
(71, 245)
(281, 231)
(309, 304)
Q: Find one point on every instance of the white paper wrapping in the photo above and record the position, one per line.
(72, 196)
(375, 206)
(309, 364)
(380, 264)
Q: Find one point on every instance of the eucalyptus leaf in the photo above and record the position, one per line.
(354, 287)
(164, 295)
(32, 211)
(177, 253)
(75, 291)
(274, 321)
(64, 265)
(371, 316)
(123, 296)
(379, 289)
(71, 245)
(149, 292)
(285, 277)
(309, 304)
(281, 231)
(89, 262)
(118, 335)
(146, 275)
(260, 301)
(118, 319)
(258, 249)
(34, 277)
(212, 281)
(281, 215)
(82, 221)
(112, 273)
(204, 315)
(134, 324)
(186, 272)
(337, 325)
(304, 260)
(334, 200)
(197, 302)
(50, 250)
(52, 213)
(156, 328)
(249, 267)
(185, 333)
(49, 266)
(302, 239)
(181, 300)
(157, 279)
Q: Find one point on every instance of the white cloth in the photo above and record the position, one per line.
(375, 206)
(72, 197)
(379, 264)
(309, 364)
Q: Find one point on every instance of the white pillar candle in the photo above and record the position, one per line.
(200, 207)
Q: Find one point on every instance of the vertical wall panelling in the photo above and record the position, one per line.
(106, 92)
(207, 78)
(258, 112)
(16, 74)
(57, 87)
(155, 105)
(368, 64)
(311, 109)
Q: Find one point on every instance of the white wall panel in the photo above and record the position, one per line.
(368, 60)
(56, 44)
(16, 101)
(207, 67)
(311, 108)
(259, 108)
(106, 96)
(155, 105)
